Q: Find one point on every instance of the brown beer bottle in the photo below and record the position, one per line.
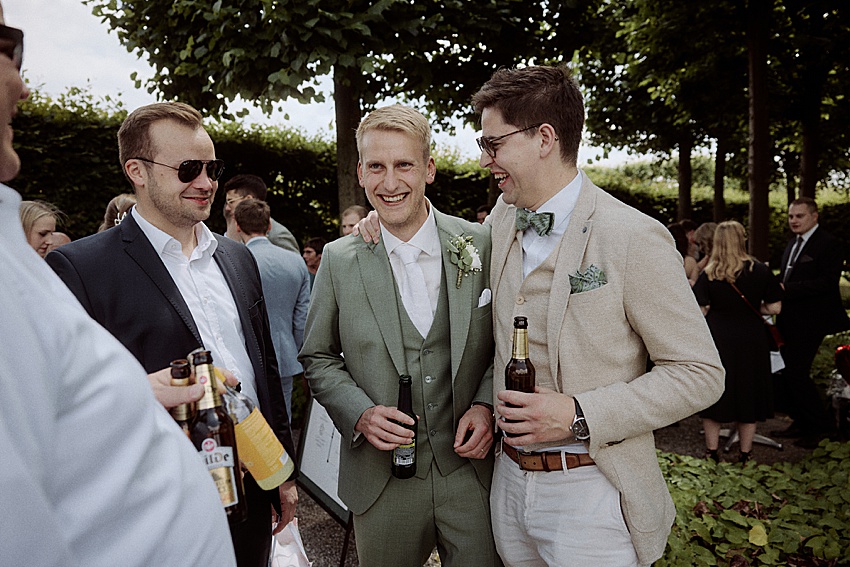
(519, 373)
(182, 414)
(404, 456)
(214, 437)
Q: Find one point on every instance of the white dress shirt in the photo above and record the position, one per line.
(206, 293)
(94, 470)
(791, 258)
(427, 239)
(536, 248)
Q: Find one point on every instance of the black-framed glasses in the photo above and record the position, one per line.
(190, 169)
(12, 45)
(486, 142)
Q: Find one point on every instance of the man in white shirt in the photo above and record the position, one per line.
(164, 285)
(95, 472)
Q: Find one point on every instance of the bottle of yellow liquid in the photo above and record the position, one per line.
(259, 448)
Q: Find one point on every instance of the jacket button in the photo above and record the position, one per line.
(520, 300)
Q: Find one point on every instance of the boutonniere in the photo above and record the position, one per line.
(464, 255)
(592, 278)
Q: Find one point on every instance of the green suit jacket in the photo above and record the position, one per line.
(354, 311)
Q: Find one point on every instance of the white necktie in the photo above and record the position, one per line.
(414, 294)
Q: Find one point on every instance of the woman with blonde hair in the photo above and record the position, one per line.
(116, 210)
(38, 219)
(730, 288)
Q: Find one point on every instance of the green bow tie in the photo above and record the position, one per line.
(541, 222)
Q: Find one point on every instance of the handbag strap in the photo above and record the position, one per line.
(747, 301)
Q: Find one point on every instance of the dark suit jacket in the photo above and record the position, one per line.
(123, 284)
(812, 301)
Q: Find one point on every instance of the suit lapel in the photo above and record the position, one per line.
(141, 250)
(571, 251)
(379, 284)
(502, 240)
(460, 299)
(231, 276)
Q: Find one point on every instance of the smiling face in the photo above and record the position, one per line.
(394, 171)
(801, 219)
(514, 166)
(166, 202)
(41, 233)
(12, 90)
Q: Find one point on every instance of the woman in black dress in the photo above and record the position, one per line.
(739, 335)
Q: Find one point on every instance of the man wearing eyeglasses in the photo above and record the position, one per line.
(603, 289)
(94, 471)
(164, 285)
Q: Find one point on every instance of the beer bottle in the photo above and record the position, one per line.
(404, 456)
(519, 373)
(259, 448)
(182, 413)
(214, 438)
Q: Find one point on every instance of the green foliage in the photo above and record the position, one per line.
(787, 514)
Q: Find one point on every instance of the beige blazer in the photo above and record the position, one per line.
(594, 345)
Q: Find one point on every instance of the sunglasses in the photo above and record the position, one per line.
(190, 169)
(12, 45)
(486, 142)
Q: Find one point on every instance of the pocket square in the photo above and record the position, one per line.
(486, 297)
(592, 278)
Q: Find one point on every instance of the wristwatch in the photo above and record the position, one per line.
(579, 427)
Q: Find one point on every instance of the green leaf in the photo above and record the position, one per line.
(758, 535)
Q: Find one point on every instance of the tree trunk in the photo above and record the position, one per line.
(348, 112)
(719, 180)
(758, 12)
(686, 178)
(810, 112)
(791, 166)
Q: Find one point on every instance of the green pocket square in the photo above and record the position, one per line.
(592, 278)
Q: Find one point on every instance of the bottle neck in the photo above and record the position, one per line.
(520, 348)
(205, 375)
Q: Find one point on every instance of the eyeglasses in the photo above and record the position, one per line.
(190, 169)
(15, 49)
(486, 142)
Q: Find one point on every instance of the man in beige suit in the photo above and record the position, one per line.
(403, 307)
(603, 289)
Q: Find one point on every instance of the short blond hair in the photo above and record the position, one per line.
(397, 118)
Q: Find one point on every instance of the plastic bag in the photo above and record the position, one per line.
(288, 549)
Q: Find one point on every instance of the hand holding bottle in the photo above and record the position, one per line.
(380, 426)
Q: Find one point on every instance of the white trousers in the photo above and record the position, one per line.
(558, 519)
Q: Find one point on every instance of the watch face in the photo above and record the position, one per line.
(580, 429)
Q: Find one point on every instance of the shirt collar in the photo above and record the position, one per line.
(161, 240)
(426, 238)
(564, 201)
(808, 234)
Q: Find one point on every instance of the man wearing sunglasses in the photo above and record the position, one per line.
(603, 289)
(94, 471)
(164, 285)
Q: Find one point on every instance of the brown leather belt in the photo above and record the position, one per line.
(550, 461)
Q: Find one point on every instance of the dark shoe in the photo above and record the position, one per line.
(792, 430)
(744, 457)
(712, 454)
(809, 441)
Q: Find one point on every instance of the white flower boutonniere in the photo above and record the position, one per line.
(464, 255)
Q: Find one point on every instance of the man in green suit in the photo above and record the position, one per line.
(408, 305)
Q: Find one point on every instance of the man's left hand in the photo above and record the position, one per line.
(541, 417)
(474, 435)
(288, 502)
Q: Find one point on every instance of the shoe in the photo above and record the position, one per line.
(712, 454)
(744, 457)
(809, 441)
(792, 430)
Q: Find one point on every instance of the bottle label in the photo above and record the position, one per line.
(219, 461)
(404, 455)
(259, 449)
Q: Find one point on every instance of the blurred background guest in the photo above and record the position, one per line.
(116, 210)
(704, 240)
(350, 217)
(481, 213)
(739, 335)
(682, 246)
(313, 256)
(39, 219)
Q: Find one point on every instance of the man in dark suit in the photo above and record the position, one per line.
(811, 309)
(164, 284)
